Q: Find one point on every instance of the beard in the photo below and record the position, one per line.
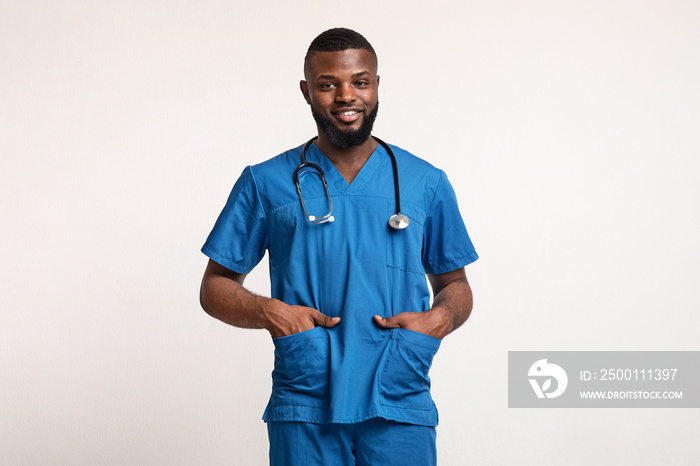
(346, 138)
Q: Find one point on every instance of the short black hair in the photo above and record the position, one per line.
(337, 40)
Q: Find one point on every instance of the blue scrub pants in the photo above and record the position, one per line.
(376, 442)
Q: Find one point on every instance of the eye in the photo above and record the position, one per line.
(361, 83)
(327, 86)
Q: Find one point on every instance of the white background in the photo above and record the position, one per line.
(570, 130)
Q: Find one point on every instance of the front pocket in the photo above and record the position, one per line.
(302, 366)
(404, 381)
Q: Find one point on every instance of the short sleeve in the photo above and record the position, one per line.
(240, 236)
(446, 243)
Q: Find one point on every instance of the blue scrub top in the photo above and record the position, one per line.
(354, 267)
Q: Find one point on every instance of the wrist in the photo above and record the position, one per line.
(442, 321)
(265, 311)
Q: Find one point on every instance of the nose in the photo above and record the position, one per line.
(345, 93)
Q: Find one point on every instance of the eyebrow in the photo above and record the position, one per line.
(330, 76)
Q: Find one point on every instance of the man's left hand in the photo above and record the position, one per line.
(434, 322)
(451, 307)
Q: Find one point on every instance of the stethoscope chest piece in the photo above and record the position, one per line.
(398, 221)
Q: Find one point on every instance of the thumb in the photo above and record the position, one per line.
(384, 322)
(323, 320)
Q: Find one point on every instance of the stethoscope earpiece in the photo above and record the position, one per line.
(398, 221)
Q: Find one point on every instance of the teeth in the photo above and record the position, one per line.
(348, 113)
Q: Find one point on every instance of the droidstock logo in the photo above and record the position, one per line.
(541, 370)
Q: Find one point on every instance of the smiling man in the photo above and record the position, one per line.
(352, 226)
(343, 120)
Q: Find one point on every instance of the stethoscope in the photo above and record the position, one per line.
(398, 221)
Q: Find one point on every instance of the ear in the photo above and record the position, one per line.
(377, 81)
(304, 86)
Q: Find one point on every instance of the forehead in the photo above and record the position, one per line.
(346, 62)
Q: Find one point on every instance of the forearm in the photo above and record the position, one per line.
(451, 307)
(223, 297)
(226, 299)
(454, 303)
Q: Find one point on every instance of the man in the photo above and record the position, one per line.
(350, 314)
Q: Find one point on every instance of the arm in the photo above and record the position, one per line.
(223, 296)
(451, 307)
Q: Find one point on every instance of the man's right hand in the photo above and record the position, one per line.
(284, 319)
(223, 296)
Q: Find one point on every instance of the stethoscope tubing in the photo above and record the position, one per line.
(397, 221)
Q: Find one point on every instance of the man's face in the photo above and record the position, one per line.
(341, 88)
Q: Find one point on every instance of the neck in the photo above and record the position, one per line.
(346, 156)
(348, 161)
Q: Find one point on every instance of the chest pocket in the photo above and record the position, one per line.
(404, 247)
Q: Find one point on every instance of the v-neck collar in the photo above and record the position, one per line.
(361, 181)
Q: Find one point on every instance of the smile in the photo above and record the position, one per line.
(348, 116)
